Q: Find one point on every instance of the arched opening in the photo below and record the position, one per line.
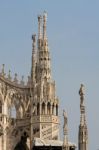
(0, 107)
(48, 108)
(38, 109)
(56, 110)
(43, 108)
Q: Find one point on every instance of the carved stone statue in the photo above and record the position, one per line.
(81, 93)
(22, 144)
(65, 119)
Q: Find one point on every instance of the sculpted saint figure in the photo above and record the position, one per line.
(65, 119)
(81, 93)
(22, 144)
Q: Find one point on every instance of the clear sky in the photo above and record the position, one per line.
(73, 34)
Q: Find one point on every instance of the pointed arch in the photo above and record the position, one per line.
(48, 108)
(38, 109)
(43, 108)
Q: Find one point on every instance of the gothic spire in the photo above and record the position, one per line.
(43, 60)
(44, 25)
(83, 132)
(33, 57)
(39, 36)
(39, 27)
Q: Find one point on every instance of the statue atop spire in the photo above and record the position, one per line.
(81, 93)
(83, 132)
(39, 27)
(65, 119)
(65, 131)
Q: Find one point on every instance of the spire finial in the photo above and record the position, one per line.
(15, 78)
(33, 57)
(9, 75)
(44, 24)
(39, 27)
(22, 80)
(3, 71)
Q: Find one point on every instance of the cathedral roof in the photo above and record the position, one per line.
(42, 142)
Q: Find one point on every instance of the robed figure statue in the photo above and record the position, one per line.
(22, 145)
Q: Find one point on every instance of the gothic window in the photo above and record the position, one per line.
(53, 109)
(56, 110)
(38, 109)
(43, 108)
(0, 107)
(48, 108)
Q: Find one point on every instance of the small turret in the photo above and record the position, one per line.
(83, 132)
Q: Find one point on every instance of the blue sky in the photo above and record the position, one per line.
(73, 34)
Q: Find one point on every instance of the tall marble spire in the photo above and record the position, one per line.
(83, 132)
(33, 58)
(43, 63)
